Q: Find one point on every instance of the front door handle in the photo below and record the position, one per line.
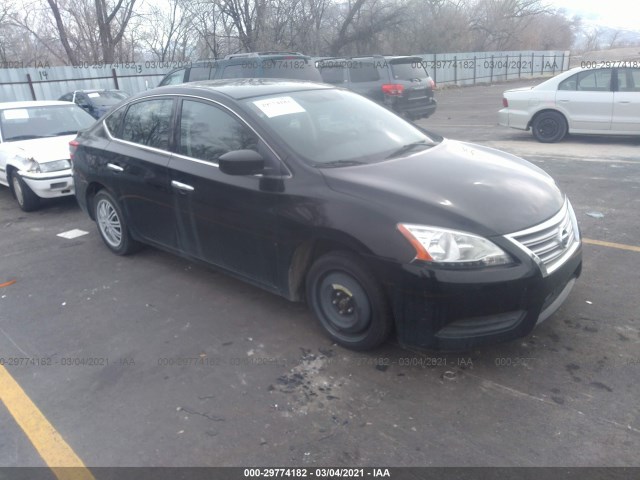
(115, 168)
(182, 186)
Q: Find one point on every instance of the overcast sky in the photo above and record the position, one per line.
(619, 14)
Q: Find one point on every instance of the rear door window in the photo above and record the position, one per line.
(595, 80)
(629, 79)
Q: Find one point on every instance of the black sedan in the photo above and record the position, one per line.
(317, 193)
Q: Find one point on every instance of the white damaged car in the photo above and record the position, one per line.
(34, 149)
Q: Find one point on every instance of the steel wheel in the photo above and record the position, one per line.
(549, 127)
(348, 301)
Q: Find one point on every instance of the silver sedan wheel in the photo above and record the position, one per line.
(109, 223)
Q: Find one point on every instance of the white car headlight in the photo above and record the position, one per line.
(452, 247)
(55, 166)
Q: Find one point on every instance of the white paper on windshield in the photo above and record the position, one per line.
(16, 114)
(274, 107)
(93, 95)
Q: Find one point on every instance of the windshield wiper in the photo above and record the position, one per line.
(410, 146)
(339, 163)
(65, 132)
(25, 137)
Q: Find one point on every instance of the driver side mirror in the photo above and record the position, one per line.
(241, 162)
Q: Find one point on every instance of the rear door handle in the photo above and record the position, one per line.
(114, 167)
(182, 186)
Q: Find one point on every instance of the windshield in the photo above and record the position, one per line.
(107, 98)
(40, 122)
(328, 128)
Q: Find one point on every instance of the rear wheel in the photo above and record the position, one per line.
(111, 224)
(549, 127)
(27, 200)
(347, 300)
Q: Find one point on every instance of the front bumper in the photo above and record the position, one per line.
(50, 184)
(458, 310)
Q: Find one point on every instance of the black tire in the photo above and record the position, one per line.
(549, 127)
(111, 224)
(347, 300)
(27, 200)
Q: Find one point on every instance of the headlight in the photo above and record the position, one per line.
(453, 248)
(55, 166)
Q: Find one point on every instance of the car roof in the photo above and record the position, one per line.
(95, 90)
(32, 103)
(245, 55)
(240, 88)
(358, 57)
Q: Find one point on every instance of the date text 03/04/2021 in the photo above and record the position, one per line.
(324, 472)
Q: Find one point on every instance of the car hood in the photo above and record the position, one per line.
(455, 185)
(42, 150)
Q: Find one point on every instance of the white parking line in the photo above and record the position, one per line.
(72, 234)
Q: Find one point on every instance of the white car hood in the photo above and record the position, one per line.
(42, 150)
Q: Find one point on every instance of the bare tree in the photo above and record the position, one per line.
(169, 31)
(498, 23)
(112, 24)
(247, 17)
(62, 31)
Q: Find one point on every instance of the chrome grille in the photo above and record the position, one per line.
(552, 242)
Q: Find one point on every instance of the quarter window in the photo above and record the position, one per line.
(206, 132)
(148, 123)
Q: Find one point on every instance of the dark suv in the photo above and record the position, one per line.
(400, 83)
(287, 65)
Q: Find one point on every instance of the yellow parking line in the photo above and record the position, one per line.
(56, 453)
(621, 246)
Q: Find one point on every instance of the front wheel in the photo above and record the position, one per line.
(27, 200)
(549, 127)
(111, 224)
(347, 300)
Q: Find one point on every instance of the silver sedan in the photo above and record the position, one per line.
(602, 100)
